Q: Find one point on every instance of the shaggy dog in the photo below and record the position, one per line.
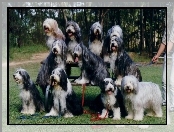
(31, 99)
(95, 38)
(56, 58)
(65, 101)
(52, 31)
(120, 62)
(73, 37)
(92, 66)
(109, 101)
(140, 96)
(114, 31)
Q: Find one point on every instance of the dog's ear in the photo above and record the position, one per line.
(122, 85)
(26, 78)
(102, 86)
(64, 50)
(63, 80)
(135, 84)
(85, 54)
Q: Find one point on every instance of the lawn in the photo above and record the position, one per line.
(149, 73)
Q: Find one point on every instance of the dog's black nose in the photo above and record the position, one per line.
(52, 77)
(110, 89)
(54, 50)
(127, 87)
(13, 75)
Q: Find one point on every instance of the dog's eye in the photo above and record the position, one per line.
(106, 83)
(19, 72)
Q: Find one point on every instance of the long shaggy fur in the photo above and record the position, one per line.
(56, 58)
(141, 96)
(52, 31)
(120, 62)
(73, 37)
(114, 31)
(95, 38)
(29, 94)
(65, 101)
(110, 101)
(92, 66)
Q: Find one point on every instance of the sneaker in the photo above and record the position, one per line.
(171, 109)
(164, 104)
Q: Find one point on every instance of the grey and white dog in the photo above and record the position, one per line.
(52, 31)
(65, 101)
(29, 94)
(73, 37)
(95, 38)
(56, 58)
(93, 68)
(141, 96)
(106, 49)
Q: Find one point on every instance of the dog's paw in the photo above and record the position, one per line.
(68, 115)
(48, 114)
(129, 117)
(138, 118)
(116, 118)
(81, 81)
(24, 112)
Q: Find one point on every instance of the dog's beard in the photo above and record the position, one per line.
(128, 89)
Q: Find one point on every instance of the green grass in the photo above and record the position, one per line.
(149, 73)
(25, 52)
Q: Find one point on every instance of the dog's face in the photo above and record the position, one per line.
(115, 43)
(59, 78)
(77, 53)
(58, 45)
(21, 76)
(96, 29)
(50, 26)
(129, 84)
(72, 28)
(109, 86)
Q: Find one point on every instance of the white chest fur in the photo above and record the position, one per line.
(60, 62)
(25, 95)
(108, 100)
(113, 57)
(71, 46)
(96, 47)
(50, 40)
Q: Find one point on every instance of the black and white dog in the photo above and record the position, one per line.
(106, 52)
(95, 38)
(52, 31)
(65, 101)
(120, 62)
(109, 101)
(56, 58)
(92, 66)
(73, 37)
(31, 99)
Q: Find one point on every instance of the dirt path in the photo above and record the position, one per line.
(34, 58)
